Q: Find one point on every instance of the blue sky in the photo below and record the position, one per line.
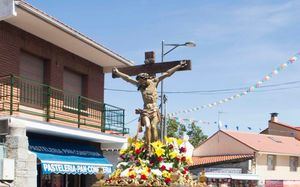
(238, 42)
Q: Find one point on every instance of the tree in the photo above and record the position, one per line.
(196, 135)
(177, 130)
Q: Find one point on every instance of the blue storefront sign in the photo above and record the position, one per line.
(65, 168)
(68, 158)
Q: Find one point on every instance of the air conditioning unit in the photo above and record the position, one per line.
(7, 169)
(3, 151)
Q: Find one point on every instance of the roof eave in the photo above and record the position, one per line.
(119, 60)
(278, 153)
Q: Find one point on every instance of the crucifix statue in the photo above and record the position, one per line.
(146, 82)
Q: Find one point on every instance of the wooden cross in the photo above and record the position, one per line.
(151, 67)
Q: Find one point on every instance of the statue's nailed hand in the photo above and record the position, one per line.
(183, 64)
(115, 70)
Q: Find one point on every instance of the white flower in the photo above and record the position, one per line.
(125, 146)
(156, 172)
(122, 164)
(124, 173)
(138, 171)
(168, 165)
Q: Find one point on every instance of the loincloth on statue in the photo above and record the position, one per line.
(149, 113)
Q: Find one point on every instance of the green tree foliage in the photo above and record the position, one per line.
(177, 130)
(196, 135)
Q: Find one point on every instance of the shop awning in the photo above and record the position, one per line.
(68, 158)
(217, 176)
(244, 177)
(234, 176)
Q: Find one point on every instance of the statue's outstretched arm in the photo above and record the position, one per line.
(171, 71)
(124, 76)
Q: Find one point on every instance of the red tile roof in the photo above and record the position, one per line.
(217, 159)
(267, 143)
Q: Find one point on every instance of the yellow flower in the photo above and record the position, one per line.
(179, 141)
(138, 145)
(132, 173)
(159, 151)
(116, 173)
(157, 144)
(130, 140)
(145, 171)
(122, 151)
(166, 174)
(189, 160)
(169, 140)
(142, 162)
(173, 154)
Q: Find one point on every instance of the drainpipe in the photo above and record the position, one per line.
(7, 9)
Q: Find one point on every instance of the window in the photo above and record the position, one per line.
(72, 85)
(32, 69)
(72, 82)
(293, 163)
(271, 161)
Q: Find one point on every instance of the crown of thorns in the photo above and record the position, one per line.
(142, 76)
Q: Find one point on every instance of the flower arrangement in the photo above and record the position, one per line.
(160, 164)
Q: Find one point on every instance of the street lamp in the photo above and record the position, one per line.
(162, 96)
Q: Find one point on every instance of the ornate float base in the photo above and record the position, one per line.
(158, 164)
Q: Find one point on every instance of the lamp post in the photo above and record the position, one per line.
(162, 96)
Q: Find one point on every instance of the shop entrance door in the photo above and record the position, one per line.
(57, 180)
(73, 181)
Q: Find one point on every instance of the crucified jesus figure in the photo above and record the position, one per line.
(147, 85)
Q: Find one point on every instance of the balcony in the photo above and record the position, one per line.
(27, 98)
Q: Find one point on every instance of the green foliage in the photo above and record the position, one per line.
(196, 135)
(177, 130)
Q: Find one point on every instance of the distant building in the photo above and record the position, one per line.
(53, 118)
(242, 158)
(278, 128)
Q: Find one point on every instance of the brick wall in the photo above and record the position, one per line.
(14, 40)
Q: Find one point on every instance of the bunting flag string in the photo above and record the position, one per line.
(226, 126)
(252, 88)
(187, 120)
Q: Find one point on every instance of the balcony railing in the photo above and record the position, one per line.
(19, 96)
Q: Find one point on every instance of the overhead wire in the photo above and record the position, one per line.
(219, 91)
